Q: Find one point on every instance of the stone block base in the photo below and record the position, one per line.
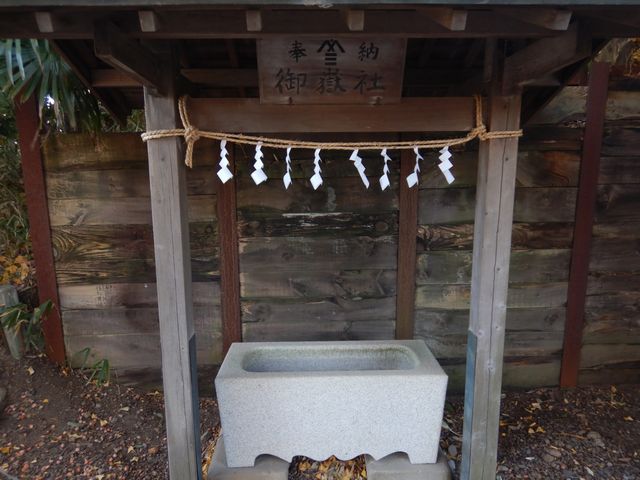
(398, 467)
(265, 468)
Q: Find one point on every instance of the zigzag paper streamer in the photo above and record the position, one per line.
(357, 162)
(412, 179)
(258, 174)
(286, 179)
(316, 179)
(224, 174)
(445, 165)
(384, 179)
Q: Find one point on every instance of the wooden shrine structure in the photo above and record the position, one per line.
(518, 54)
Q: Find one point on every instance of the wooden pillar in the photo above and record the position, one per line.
(497, 161)
(407, 229)
(173, 274)
(28, 123)
(229, 259)
(585, 210)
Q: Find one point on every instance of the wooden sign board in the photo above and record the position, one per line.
(331, 70)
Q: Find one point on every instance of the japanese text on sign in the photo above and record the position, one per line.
(330, 70)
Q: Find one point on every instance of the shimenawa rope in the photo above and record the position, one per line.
(192, 134)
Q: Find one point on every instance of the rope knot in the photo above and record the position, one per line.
(191, 134)
(481, 131)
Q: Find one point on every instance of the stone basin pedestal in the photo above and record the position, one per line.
(319, 399)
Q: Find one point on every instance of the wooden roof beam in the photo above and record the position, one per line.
(126, 55)
(544, 57)
(452, 19)
(549, 18)
(221, 23)
(112, 101)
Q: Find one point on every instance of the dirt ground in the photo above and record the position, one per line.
(55, 425)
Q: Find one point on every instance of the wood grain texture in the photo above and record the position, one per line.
(120, 183)
(410, 115)
(28, 125)
(116, 321)
(585, 209)
(317, 224)
(524, 236)
(137, 350)
(406, 260)
(124, 211)
(311, 283)
(128, 295)
(494, 214)
(346, 194)
(229, 260)
(532, 205)
(299, 253)
(532, 266)
(173, 280)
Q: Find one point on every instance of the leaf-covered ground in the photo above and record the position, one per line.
(55, 426)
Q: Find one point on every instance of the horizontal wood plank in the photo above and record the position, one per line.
(127, 211)
(87, 243)
(136, 350)
(115, 321)
(346, 194)
(327, 310)
(300, 253)
(131, 182)
(131, 271)
(317, 224)
(457, 205)
(318, 284)
(108, 151)
(129, 295)
(411, 115)
(523, 236)
(434, 321)
(520, 295)
(441, 267)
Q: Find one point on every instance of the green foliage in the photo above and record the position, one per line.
(18, 317)
(100, 371)
(14, 224)
(31, 67)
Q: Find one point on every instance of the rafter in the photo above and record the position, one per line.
(544, 57)
(128, 56)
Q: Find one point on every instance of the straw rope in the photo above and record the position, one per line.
(192, 134)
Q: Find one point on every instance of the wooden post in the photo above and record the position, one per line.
(489, 283)
(585, 209)
(173, 273)
(28, 122)
(229, 260)
(407, 230)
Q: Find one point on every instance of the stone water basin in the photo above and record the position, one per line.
(319, 399)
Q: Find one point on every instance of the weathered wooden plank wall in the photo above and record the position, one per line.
(544, 208)
(98, 190)
(317, 265)
(322, 264)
